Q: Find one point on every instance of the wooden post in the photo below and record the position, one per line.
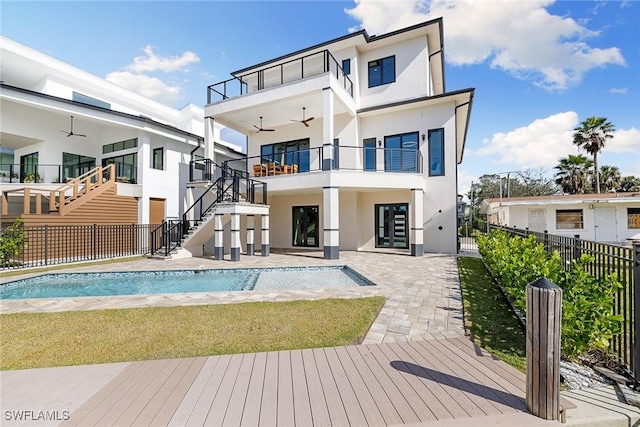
(544, 317)
(26, 201)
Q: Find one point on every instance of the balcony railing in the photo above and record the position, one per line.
(344, 158)
(51, 174)
(277, 75)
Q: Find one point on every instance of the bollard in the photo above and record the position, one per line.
(544, 317)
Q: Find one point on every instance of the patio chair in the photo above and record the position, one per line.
(273, 169)
(258, 170)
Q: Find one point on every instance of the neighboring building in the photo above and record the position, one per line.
(150, 145)
(608, 217)
(357, 140)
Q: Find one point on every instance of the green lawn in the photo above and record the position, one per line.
(488, 318)
(35, 340)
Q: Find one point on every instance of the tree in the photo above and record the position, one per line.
(628, 184)
(609, 178)
(591, 136)
(573, 174)
(533, 182)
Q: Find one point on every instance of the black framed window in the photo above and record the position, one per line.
(288, 153)
(305, 226)
(382, 71)
(74, 165)
(346, 66)
(436, 152)
(78, 97)
(569, 219)
(126, 167)
(29, 168)
(120, 145)
(158, 158)
(401, 152)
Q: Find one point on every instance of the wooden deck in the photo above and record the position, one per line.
(365, 385)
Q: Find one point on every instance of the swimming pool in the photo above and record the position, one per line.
(68, 285)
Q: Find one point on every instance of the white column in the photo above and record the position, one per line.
(143, 166)
(235, 237)
(250, 234)
(218, 237)
(416, 221)
(265, 235)
(331, 226)
(327, 129)
(210, 135)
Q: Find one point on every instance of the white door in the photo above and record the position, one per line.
(605, 225)
(537, 220)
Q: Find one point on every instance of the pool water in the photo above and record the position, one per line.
(180, 281)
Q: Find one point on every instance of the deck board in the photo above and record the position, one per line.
(319, 410)
(444, 379)
(301, 404)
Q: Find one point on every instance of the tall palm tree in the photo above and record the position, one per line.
(591, 136)
(573, 174)
(609, 178)
(629, 183)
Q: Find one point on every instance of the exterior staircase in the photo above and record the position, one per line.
(197, 226)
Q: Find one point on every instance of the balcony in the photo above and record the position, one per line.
(346, 158)
(278, 75)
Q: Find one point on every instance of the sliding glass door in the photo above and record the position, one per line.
(305, 226)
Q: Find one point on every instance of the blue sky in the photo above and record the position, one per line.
(539, 67)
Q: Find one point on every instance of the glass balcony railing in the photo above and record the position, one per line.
(277, 75)
(53, 174)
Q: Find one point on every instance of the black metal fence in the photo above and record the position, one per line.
(60, 244)
(608, 259)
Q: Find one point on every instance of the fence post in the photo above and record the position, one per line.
(544, 317)
(46, 244)
(577, 251)
(636, 306)
(95, 241)
(546, 240)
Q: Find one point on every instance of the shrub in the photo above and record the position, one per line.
(12, 241)
(465, 230)
(587, 303)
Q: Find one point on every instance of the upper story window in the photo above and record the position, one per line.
(436, 152)
(120, 145)
(346, 66)
(89, 100)
(158, 158)
(569, 219)
(382, 71)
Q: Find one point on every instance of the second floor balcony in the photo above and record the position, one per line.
(341, 158)
(277, 75)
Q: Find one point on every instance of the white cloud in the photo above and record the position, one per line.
(519, 37)
(618, 90)
(624, 141)
(150, 87)
(538, 145)
(152, 62)
(464, 181)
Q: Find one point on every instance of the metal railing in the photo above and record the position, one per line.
(277, 75)
(608, 259)
(229, 185)
(60, 244)
(350, 158)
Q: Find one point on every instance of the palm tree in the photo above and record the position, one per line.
(629, 183)
(591, 136)
(609, 178)
(573, 173)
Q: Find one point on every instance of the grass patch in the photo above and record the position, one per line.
(36, 340)
(67, 266)
(488, 318)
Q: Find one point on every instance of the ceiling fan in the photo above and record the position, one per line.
(261, 129)
(70, 133)
(303, 121)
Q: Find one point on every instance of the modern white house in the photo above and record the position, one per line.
(357, 140)
(607, 217)
(60, 125)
